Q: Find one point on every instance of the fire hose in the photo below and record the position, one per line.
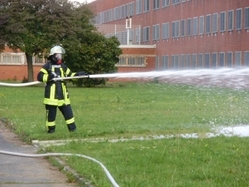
(54, 79)
(63, 154)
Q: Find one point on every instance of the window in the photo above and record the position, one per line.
(182, 28)
(207, 60)
(123, 11)
(165, 62)
(146, 34)
(195, 26)
(246, 59)
(200, 60)
(238, 19)
(238, 58)
(165, 30)
(39, 59)
(230, 18)
(12, 58)
(7, 58)
(201, 25)
(222, 59)
(182, 62)
(138, 6)
(131, 35)
(189, 27)
(131, 9)
(215, 23)
(194, 60)
(137, 35)
(16, 59)
(222, 21)
(122, 37)
(157, 64)
(155, 4)
(247, 18)
(146, 5)
(208, 24)
(175, 2)
(132, 61)
(229, 59)
(175, 29)
(165, 3)
(188, 58)
(156, 32)
(175, 60)
(116, 13)
(214, 60)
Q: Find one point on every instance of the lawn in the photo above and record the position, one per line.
(124, 110)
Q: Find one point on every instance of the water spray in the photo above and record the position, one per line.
(186, 76)
(111, 179)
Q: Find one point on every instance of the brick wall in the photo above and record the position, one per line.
(16, 72)
(149, 51)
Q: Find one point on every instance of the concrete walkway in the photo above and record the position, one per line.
(26, 172)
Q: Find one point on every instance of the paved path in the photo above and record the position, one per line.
(26, 172)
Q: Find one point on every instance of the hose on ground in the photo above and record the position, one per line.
(111, 179)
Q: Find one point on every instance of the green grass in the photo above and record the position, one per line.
(140, 109)
(218, 161)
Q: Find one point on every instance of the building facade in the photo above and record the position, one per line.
(13, 65)
(187, 33)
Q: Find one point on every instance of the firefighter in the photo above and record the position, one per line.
(56, 93)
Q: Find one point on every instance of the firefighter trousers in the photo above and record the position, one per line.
(66, 111)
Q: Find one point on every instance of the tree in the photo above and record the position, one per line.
(34, 26)
(96, 55)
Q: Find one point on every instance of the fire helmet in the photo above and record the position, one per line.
(57, 49)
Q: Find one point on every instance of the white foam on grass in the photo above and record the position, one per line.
(240, 131)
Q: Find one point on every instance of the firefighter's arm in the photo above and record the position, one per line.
(44, 76)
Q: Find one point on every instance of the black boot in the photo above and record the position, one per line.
(71, 127)
(51, 129)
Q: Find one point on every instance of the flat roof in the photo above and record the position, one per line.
(137, 46)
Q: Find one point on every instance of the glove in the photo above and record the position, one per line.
(81, 73)
(52, 75)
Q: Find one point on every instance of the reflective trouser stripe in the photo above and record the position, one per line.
(50, 116)
(49, 124)
(70, 121)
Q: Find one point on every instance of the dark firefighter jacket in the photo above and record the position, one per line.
(56, 92)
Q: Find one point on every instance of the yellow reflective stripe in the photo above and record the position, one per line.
(45, 78)
(70, 121)
(56, 102)
(52, 92)
(48, 101)
(49, 124)
(44, 71)
(62, 72)
(64, 90)
(67, 71)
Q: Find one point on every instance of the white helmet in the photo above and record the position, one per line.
(57, 49)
